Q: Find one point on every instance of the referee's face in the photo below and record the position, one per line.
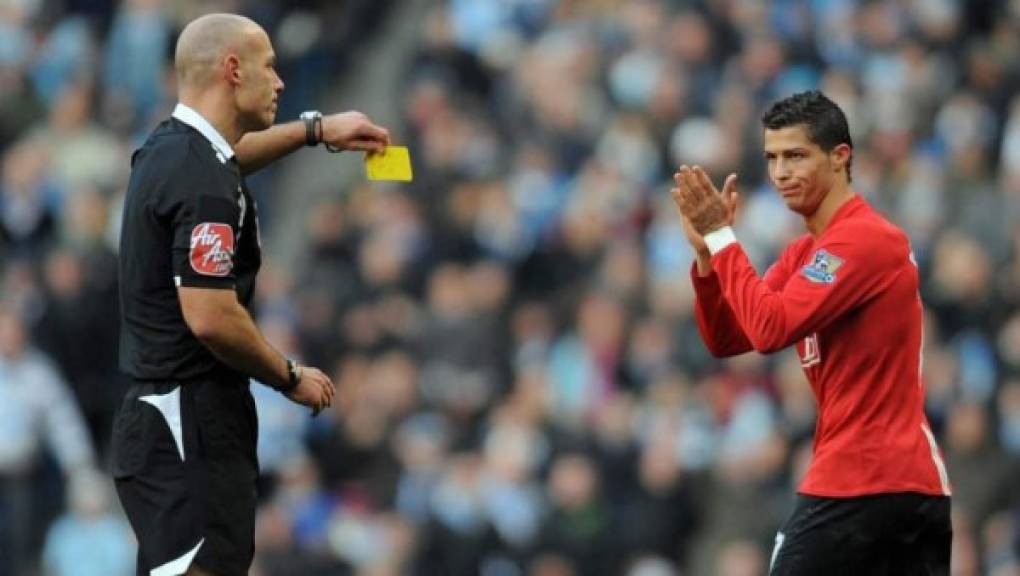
(261, 85)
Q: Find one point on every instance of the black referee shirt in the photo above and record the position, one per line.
(189, 220)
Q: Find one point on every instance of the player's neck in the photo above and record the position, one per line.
(838, 195)
(217, 111)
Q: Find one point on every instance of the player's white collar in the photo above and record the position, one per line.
(192, 118)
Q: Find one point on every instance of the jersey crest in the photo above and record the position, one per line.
(212, 249)
(823, 267)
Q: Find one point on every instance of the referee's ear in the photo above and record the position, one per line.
(232, 69)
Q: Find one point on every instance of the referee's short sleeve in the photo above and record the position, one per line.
(205, 231)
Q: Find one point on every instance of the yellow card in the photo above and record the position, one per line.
(394, 163)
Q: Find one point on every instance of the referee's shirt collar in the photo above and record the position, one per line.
(192, 118)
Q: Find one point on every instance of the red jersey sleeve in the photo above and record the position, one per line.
(849, 265)
(719, 327)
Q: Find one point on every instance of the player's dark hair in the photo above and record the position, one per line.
(823, 120)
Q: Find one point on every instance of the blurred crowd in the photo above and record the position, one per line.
(521, 386)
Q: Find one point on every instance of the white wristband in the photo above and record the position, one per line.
(719, 239)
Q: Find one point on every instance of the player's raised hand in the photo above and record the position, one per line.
(314, 389)
(696, 240)
(703, 207)
(353, 131)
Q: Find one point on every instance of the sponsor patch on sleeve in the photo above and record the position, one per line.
(212, 249)
(823, 267)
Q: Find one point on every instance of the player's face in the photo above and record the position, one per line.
(800, 170)
(261, 85)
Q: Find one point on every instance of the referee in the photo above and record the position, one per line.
(184, 438)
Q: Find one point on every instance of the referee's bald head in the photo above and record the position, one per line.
(205, 41)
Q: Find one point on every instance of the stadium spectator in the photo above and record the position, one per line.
(40, 417)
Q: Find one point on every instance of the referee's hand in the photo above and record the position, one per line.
(353, 131)
(314, 389)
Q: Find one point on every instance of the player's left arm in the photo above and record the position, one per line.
(343, 131)
(849, 267)
(846, 270)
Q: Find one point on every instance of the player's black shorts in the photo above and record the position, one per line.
(185, 466)
(894, 534)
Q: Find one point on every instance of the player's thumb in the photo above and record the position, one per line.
(729, 194)
(729, 189)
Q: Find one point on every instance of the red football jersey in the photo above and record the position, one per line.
(849, 301)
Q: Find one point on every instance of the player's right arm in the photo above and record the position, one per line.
(219, 321)
(719, 327)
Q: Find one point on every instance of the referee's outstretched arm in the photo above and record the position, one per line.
(343, 131)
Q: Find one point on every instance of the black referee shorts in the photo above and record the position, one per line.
(185, 467)
(895, 534)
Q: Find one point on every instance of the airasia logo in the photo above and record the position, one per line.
(212, 249)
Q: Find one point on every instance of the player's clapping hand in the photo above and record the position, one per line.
(702, 207)
(314, 389)
(353, 131)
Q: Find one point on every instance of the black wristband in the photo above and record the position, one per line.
(293, 376)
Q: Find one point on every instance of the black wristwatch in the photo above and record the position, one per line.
(293, 376)
(313, 127)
